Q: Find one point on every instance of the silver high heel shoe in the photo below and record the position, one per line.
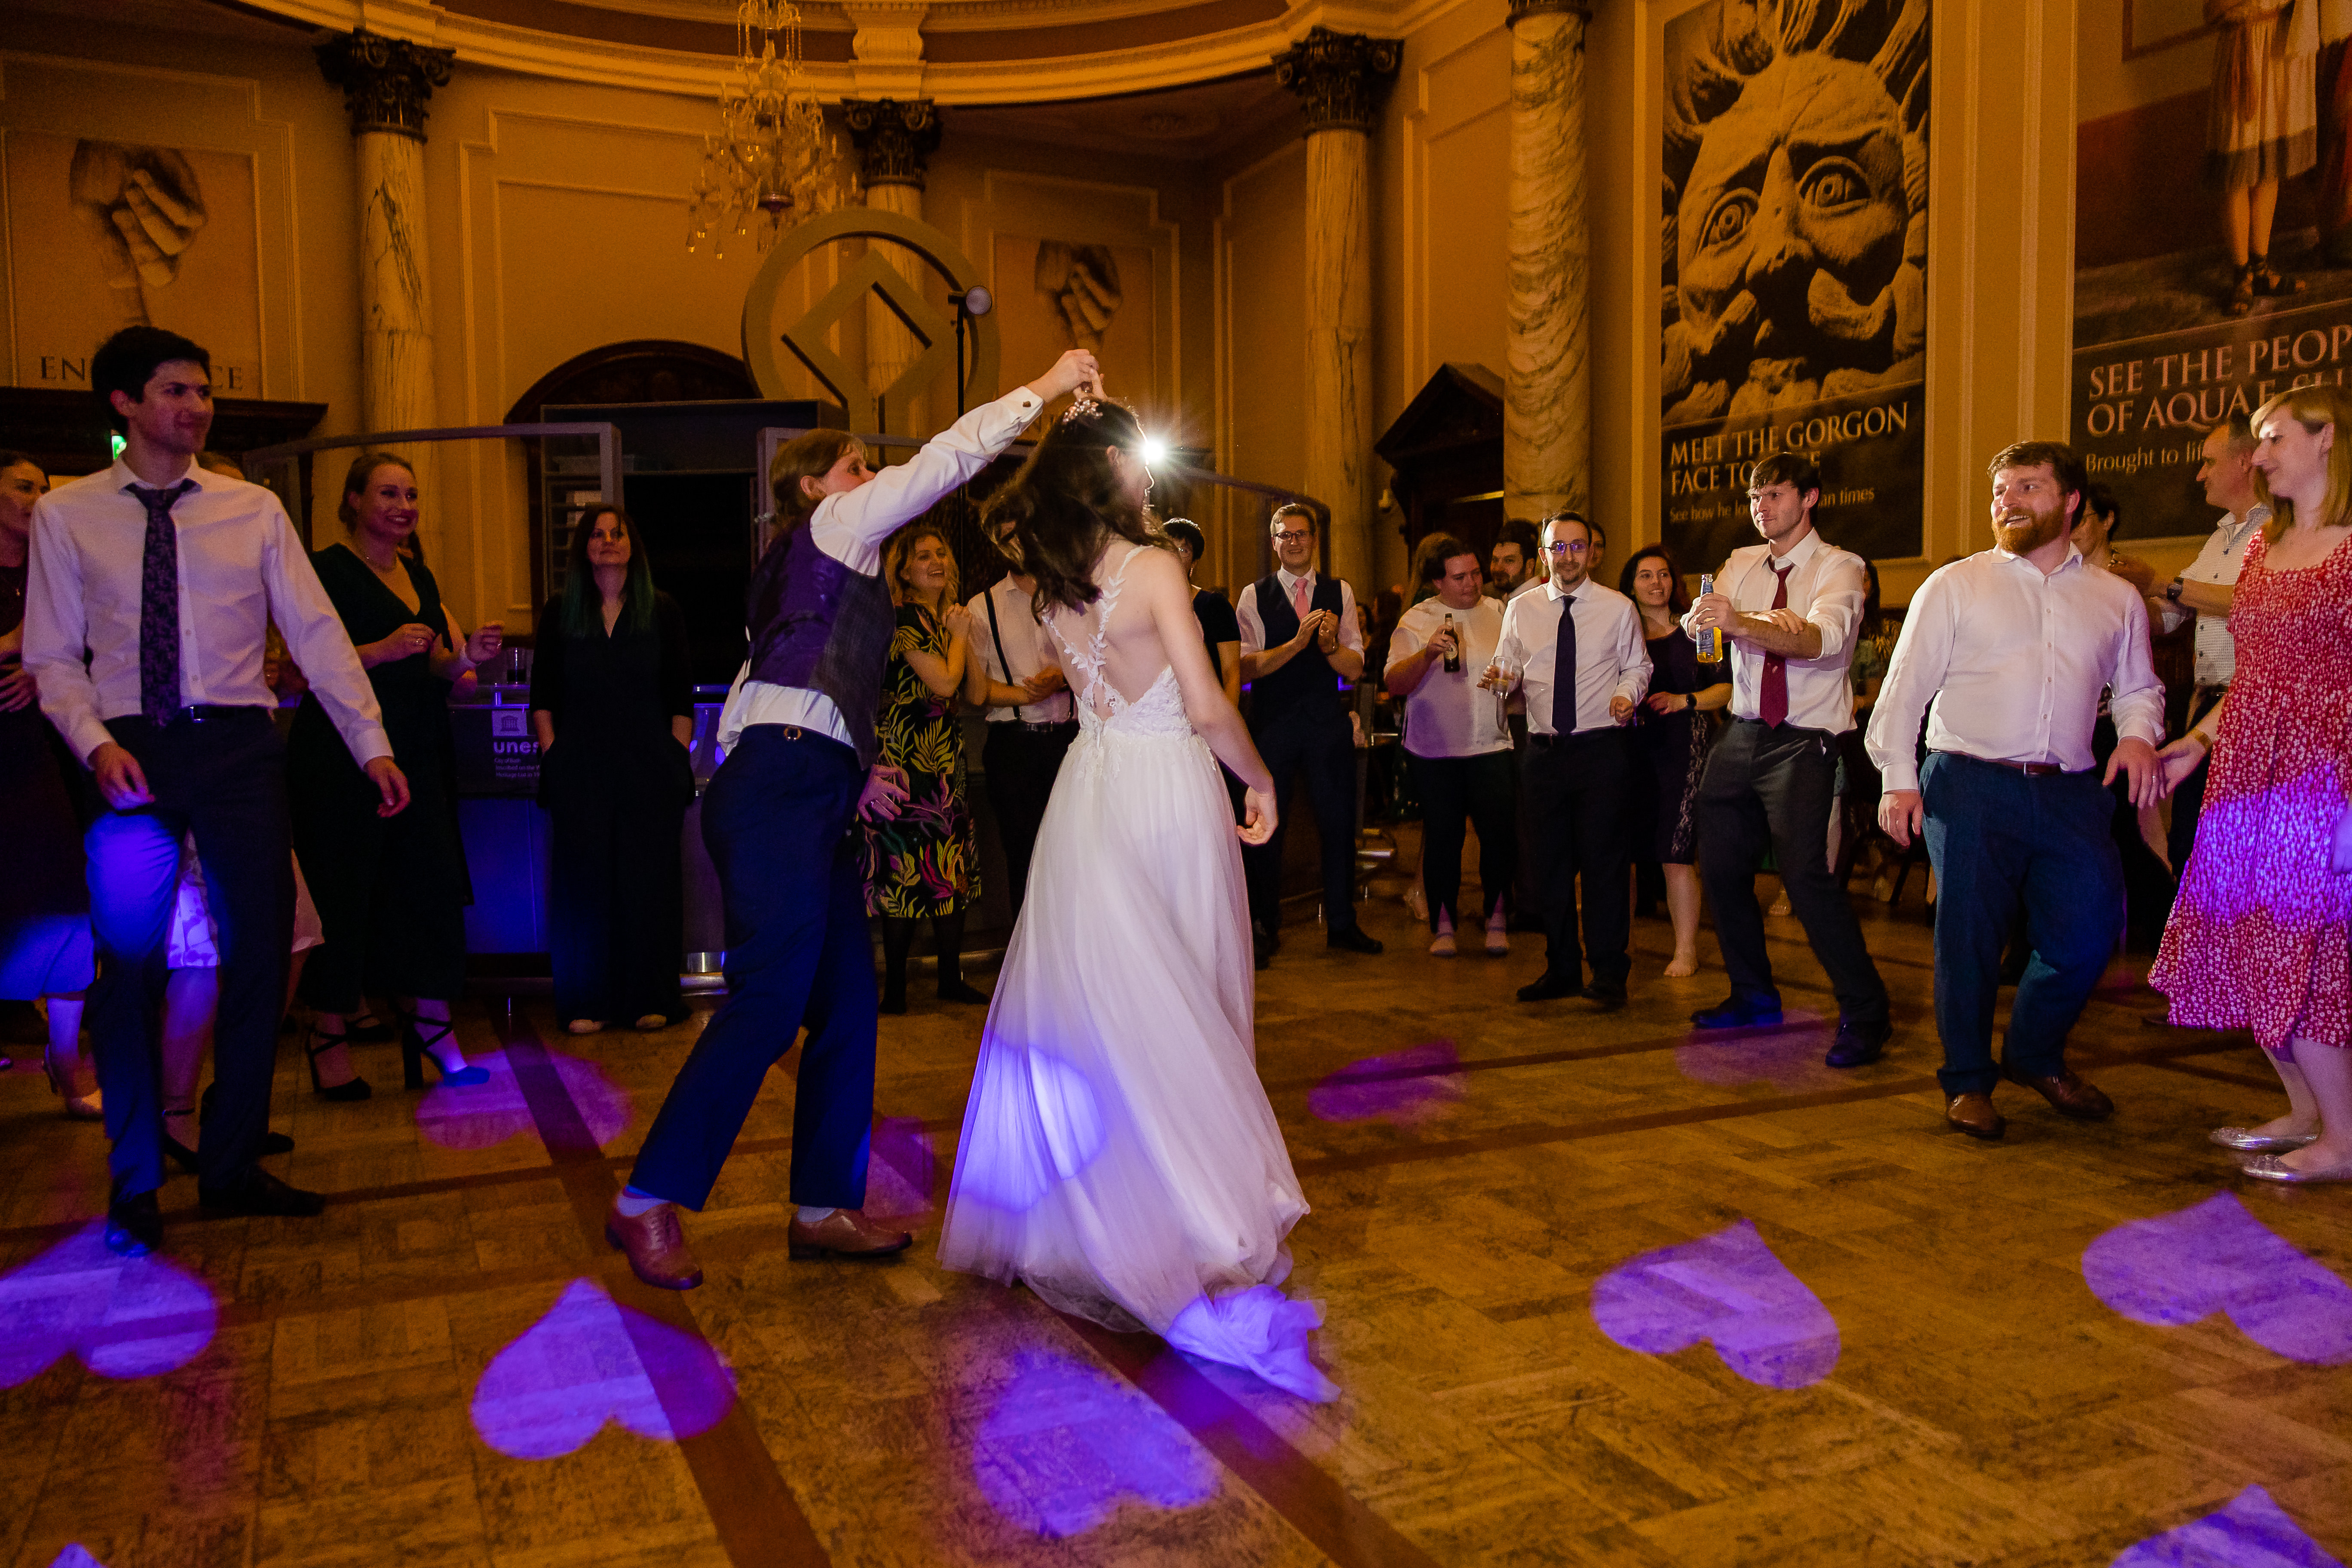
(2246, 1143)
(2268, 1168)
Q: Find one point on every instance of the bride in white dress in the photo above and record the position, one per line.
(1119, 1155)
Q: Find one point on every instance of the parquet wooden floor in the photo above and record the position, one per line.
(415, 1376)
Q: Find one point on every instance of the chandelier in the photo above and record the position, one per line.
(772, 157)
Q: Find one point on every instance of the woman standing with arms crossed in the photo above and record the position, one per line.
(2258, 936)
(610, 681)
(392, 891)
(1675, 729)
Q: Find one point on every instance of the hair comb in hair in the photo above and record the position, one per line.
(1085, 408)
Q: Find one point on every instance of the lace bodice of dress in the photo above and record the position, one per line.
(1102, 707)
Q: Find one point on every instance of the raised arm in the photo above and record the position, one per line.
(1158, 578)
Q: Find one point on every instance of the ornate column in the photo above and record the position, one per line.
(894, 140)
(1340, 79)
(1546, 378)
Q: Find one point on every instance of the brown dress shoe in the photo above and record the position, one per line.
(2069, 1095)
(657, 1246)
(844, 1233)
(1974, 1115)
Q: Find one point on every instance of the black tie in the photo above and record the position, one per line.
(159, 604)
(1563, 668)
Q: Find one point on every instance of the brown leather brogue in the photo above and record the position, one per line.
(846, 1233)
(1974, 1115)
(2069, 1095)
(656, 1244)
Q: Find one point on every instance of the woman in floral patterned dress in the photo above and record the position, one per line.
(926, 861)
(2258, 936)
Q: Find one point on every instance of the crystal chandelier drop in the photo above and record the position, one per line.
(773, 155)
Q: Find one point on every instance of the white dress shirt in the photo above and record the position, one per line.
(1826, 587)
(2014, 662)
(241, 567)
(2219, 562)
(1351, 635)
(1025, 646)
(1449, 714)
(851, 527)
(1611, 660)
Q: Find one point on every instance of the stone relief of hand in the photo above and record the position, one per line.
(141, 207)
(1080, 282)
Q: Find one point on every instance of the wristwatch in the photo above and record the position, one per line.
(2172, 590)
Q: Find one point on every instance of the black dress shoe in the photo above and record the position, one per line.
(1858, 1043)
(135, 1226)
(1610, 997)
(1735, 1012)
(1352, 937)
(1548, 986)
(256, 1192)
(271, 1142)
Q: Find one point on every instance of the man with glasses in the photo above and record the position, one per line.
(1789, 609)
(1301, 644)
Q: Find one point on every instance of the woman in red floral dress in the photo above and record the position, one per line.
(2258, 938)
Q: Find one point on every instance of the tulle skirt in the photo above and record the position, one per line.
(1119, 1155)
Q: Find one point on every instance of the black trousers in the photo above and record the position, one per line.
(222, 779)
(1320, 744)
(1455, 791)
(1578, 806)
(1020, 766)
(779, 821)
(1775, 786)
(617, 903)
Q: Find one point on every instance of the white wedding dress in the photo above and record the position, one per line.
(1119, 1155)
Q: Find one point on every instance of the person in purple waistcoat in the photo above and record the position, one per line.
(799, 732)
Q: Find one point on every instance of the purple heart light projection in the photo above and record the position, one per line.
(1065, 1444)
(1402, 1087)
(1048, 1126)
(124, 1317)
(2217, 1257)
(591, 1361)
(900, 1169)
(492, 1112)
(75, 1557)
(1728, 1290)
(2251, 1532)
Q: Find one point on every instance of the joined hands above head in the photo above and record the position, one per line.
(1076, 372)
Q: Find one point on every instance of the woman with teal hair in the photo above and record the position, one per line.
(612, 705)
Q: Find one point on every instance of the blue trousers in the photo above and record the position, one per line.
(1996, 840)
(779, 821)
(223, 780)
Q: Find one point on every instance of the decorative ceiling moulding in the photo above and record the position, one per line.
(889, 49)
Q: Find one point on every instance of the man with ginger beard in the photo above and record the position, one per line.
(2013, 647)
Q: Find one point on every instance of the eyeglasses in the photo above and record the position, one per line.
(1293, 535)
(1567, 547)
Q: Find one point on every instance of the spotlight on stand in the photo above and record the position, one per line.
(970, 305)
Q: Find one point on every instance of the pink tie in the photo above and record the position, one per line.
(1301, 601)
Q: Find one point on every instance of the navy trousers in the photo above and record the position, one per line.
(222, 779)
(1319, 742)
(779, 820)
(1996, 840)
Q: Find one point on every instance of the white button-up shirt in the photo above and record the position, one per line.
(1023, 645)
(851, 527)
(1449, 714)
(2014, 662)
(1826, 587)
(1351, 635)
(2219, 562)
(1611, 659)
(241, 567)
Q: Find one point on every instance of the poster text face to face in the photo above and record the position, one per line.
(1795, 271)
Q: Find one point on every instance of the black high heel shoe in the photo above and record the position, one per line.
(357, 1089)
(416, 1050)
(181, 1154)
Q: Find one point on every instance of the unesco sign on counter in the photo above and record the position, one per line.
(495, 752)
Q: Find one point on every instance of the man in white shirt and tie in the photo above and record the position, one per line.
(1575, 649)
(1789, 607)
(2206, 591)
(169, 576)
(2013, 647)
(1300, 643)
(1031, 717)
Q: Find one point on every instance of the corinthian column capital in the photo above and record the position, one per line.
(1339, 77)
(1522, 9)
(386, 82)
(894, 137)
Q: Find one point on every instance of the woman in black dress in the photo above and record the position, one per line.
(609, 681)
(1676, 725)
(392, 891)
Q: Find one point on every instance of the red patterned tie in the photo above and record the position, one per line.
(1772, 696)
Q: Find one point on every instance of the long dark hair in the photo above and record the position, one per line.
(1067, 498)
(1678, 602)
(583, 603)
